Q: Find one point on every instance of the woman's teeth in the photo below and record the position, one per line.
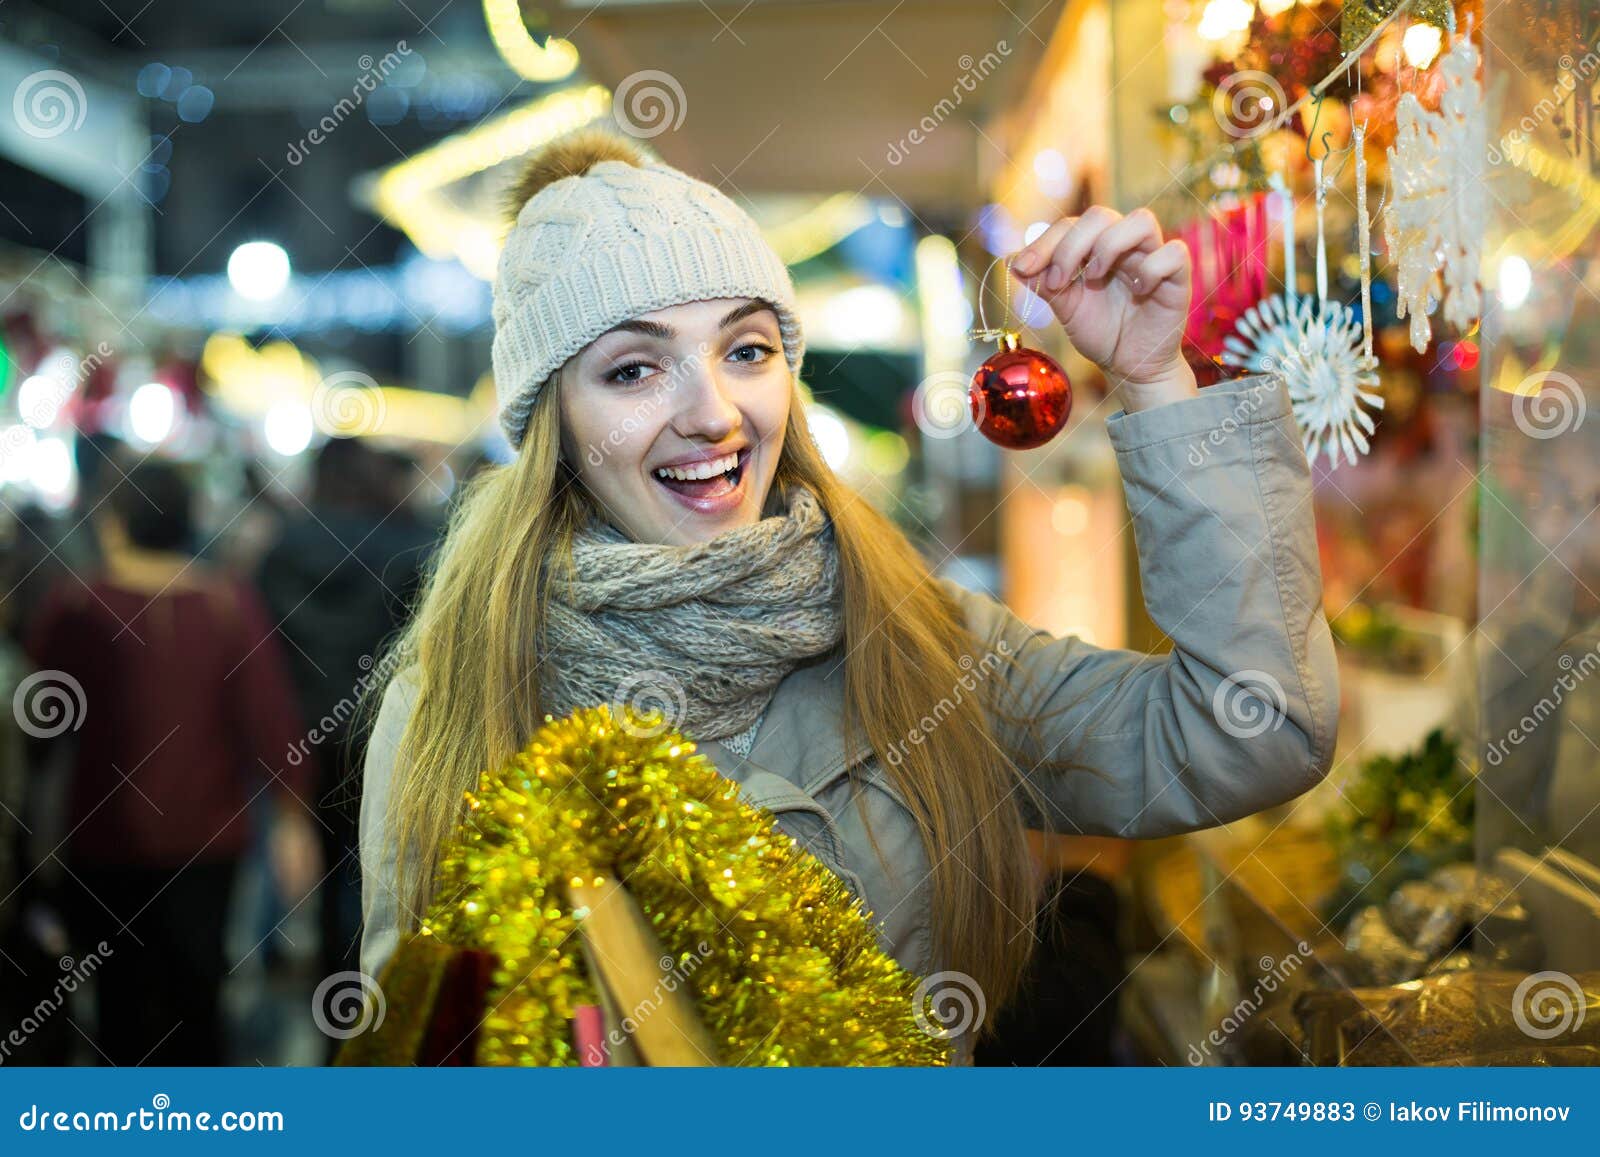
(700, 470)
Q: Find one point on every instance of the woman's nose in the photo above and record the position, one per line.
(706, 408)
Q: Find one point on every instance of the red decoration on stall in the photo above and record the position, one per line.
(1228, 250)
(1020, 397)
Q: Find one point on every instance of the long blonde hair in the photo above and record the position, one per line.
(472, 649)
(477, 688)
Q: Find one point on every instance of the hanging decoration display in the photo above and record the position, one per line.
(1314, 346)
(780, 962)
(1020, 398)
(1318, 349)
(1437, 211)
(1362, 17)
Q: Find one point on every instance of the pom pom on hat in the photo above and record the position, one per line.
(571, 156)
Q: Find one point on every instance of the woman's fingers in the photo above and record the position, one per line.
(1138, 232)
(1055, 255)
(1094, 243)
(1167, 262)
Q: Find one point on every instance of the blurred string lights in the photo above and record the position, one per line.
(176, 86)
(277, 384)
(860, 454)
(152, 414)
(550, 60)
(370, 299)
(415, 195)
(412, 194)
(275, 391)
(35, 429)
(258, 270)
(192, 102)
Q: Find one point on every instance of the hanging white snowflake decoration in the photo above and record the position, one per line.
(1315, 348)
(1438, 206)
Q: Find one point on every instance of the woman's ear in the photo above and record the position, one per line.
(551, 394)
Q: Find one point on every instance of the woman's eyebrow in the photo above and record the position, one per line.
(740, 312)
(648, 328)
(665, 332)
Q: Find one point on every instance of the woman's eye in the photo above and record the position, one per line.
(627, 374)
(753, 353)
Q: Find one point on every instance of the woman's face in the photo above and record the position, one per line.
(674, 421)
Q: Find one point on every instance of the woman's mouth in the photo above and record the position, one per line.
(709, 487)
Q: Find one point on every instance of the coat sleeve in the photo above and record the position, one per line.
(381, 904)
(1242, 713)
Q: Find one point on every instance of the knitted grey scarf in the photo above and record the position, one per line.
(703, 632)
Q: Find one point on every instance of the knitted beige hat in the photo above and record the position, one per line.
(603, 235)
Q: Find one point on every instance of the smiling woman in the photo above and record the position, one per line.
(701, 394)
(668, 523)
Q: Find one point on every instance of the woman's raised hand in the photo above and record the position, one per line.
(1121, 294)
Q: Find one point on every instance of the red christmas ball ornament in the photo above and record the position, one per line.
(1020, 397)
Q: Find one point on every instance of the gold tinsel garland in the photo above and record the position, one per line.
(780, 958)
(1362, 16)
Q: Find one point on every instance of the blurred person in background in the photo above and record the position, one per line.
(186, 716)
(1066, 1012)
(32, 941)
(249, 532)
(338, 582)
(44, 550)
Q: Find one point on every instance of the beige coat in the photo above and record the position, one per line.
(1239, 716)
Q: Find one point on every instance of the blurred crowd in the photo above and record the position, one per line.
(190, 661)
(180, 770)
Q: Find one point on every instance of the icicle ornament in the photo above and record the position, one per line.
(1363, 237)
(1438, 207)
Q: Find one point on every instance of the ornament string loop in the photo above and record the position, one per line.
(985, 332)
